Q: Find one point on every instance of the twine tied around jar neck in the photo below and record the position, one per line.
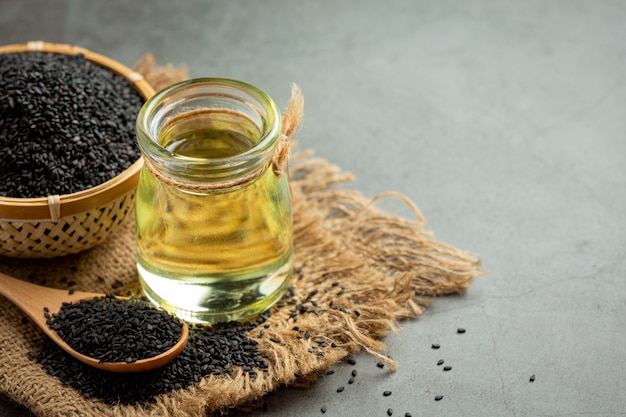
(291, 125)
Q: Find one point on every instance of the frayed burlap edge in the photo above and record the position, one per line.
(366, 270)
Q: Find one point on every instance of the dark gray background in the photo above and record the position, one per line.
(504, 121)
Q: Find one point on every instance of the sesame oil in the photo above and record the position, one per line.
(213, 255)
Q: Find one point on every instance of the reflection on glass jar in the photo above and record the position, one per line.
(214, 224)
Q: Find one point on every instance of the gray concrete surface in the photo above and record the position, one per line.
(505, 121)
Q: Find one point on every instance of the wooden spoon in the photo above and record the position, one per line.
(32, 299)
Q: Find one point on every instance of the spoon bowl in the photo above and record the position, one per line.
(32, 299)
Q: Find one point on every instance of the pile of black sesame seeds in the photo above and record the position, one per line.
(66, 124)
(210, 350)
(112, 329)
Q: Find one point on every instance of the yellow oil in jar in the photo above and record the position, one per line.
(218, 255)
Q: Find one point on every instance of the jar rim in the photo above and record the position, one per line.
(270, 131)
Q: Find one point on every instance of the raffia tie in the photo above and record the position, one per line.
(292, 123)
(54, 205)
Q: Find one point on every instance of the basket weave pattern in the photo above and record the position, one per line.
(68, 235)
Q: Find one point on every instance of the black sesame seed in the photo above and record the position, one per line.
(323, 409)
(435, 346)
(351, 361)
(340, 389)
(351, 381)
(380, 365)
(389, 412)
(387, 393)
(447, 368)
(330, 372)
(438, 397)
(440, 362)
(460, 330)
(354, 372)
(408, 415)
(532, 378)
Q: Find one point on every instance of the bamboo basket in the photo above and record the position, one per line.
(65, 224)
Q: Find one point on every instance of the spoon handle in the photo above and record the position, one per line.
(32, 298)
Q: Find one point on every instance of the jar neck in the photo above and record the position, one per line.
(180, 131)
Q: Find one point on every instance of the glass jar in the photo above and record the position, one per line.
(213, 219)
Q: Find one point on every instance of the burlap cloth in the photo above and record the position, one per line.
(386, 267)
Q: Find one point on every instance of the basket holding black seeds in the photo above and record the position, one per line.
(66, 124)
(69, 162)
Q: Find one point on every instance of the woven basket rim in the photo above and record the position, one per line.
(39, 209)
